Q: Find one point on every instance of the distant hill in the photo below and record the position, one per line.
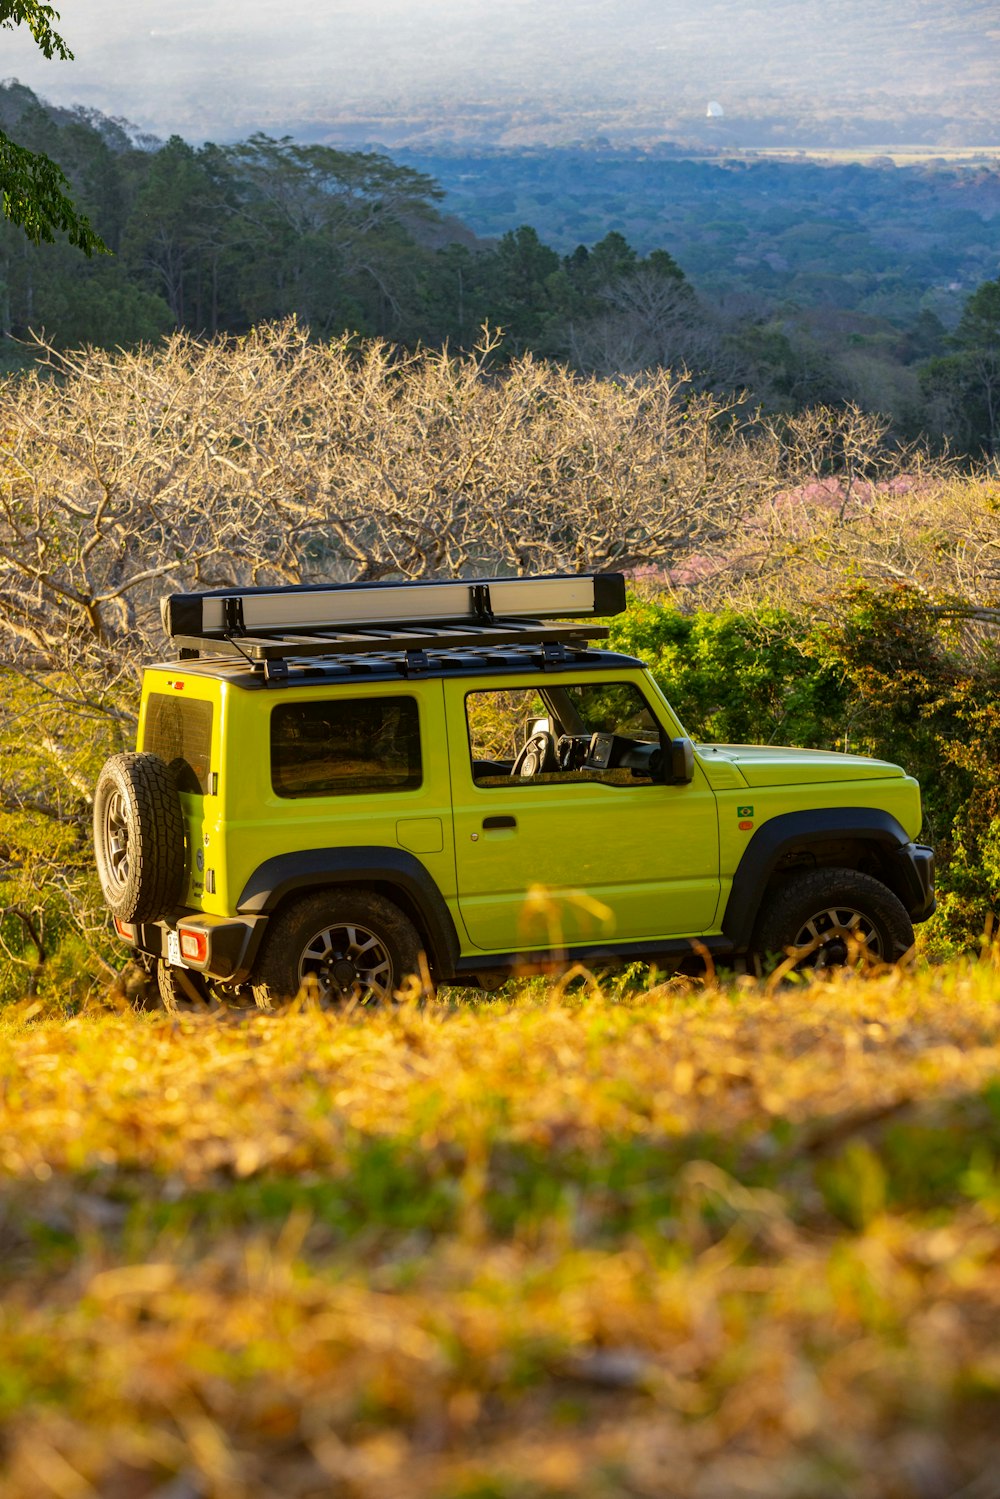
(784, 72)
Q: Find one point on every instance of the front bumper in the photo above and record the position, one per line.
(914, 870)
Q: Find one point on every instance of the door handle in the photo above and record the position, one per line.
(500, 822)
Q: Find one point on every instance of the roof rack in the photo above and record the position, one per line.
(269, 624)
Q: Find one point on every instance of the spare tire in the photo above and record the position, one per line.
(138, 837)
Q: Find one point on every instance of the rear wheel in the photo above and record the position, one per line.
(831, 916)
(179, 989)
(349, 946)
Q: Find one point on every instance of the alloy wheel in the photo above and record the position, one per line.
(116, 838)
(829, 935)
(349, 962)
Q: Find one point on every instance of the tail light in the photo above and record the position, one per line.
(125, 929)
(194, 944)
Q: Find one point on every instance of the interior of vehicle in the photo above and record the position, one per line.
(584, 731)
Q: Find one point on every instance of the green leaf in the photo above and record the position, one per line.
(35, 198)
(38, 19)
(32, 186)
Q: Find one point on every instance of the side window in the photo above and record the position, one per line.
(344, 746)
(585, 732)
(179, 730)
(499, 723)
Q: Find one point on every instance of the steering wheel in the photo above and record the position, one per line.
(536, 755)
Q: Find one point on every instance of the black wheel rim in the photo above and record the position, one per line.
(836, 933)
(116, 839)
(349, 962)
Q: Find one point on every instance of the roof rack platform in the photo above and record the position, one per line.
(269, 624)
(222, 614)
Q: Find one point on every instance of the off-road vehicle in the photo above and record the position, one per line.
(337, 784)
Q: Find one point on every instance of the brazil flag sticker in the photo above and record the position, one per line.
(744, 811)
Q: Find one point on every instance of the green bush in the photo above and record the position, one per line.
(54, 928)
(737, 678)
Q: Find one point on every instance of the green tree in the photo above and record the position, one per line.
(962, 389)
(52, 288)
(455, 295)
(177, 232)
(523, 278)
(326, 235)
(34, 188)
(618, 313)
(978, 338)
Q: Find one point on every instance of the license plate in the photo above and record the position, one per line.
(174, 951)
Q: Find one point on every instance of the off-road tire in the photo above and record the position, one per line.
(138, 837)
(387, 949)
(180, 989)
(832, 903)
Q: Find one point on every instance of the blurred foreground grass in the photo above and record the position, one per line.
(682, 1242)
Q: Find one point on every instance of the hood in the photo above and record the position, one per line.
(772, 765)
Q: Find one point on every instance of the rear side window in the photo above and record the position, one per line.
(179, 730)
(344, 746)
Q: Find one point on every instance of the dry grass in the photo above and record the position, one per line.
(899, 155)
(689, 1241)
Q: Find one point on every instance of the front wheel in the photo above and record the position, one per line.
(353, 945)
(830, 916)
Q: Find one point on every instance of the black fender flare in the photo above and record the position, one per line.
(391, 869)
(824, 825)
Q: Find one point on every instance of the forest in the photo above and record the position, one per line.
(866, 237)
(791, 283)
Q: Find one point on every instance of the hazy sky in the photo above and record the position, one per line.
(219, 68)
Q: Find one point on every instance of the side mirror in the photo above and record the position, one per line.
(673, 763)
(681, 761)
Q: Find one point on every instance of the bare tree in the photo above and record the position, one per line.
(270, 458)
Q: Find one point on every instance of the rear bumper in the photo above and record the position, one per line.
(914, 869)
(230, 943)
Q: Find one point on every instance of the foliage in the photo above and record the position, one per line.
(220, 238)
(539, 1247)
(32, 185)
(963, 388)
(53, 922)
(870, 246)
(736, 678)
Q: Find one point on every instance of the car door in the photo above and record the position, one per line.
(562, 856)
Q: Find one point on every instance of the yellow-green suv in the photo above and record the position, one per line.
(345, 783)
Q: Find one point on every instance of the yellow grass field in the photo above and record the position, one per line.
(684, 1240)
(900, 155)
